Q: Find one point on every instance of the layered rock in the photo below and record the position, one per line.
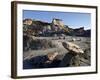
(55, 27)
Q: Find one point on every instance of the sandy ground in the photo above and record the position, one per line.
(83, 42)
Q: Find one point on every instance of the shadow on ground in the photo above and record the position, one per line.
(40, 62)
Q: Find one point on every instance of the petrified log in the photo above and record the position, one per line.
(73, 48)
(71, 58)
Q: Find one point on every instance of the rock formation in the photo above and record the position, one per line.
(73, 48)
(55, 27)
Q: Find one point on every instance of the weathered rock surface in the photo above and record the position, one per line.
(64, 58)
(55, 27)
(72, 47)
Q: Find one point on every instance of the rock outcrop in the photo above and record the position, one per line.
(55, 27)
(75, 49)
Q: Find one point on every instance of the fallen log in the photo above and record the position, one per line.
(73, 48)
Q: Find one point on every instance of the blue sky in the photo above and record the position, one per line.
(72, 19)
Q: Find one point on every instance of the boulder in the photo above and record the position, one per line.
(72, 47)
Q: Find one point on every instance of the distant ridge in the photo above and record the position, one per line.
(55, 27)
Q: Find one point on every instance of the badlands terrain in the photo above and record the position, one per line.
(54, 44)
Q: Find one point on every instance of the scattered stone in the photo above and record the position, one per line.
(73, 39)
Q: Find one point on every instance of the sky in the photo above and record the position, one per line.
(72, 19)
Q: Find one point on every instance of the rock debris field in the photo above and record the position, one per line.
(49, 52)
